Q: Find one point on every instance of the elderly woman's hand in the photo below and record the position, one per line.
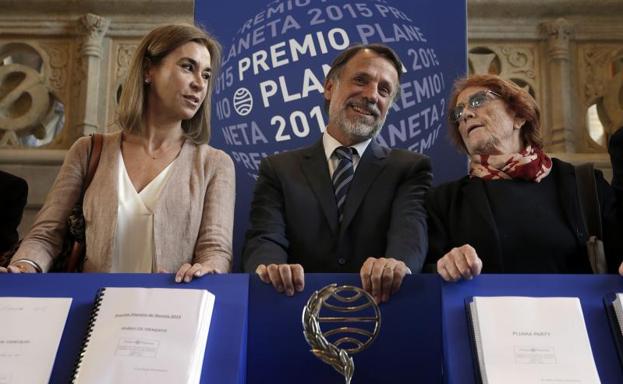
(460, 262)
(187, 271)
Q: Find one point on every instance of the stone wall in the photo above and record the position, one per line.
(61, 67)
(568, 54)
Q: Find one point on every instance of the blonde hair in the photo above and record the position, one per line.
(153, 48)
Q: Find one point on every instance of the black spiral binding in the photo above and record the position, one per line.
(94, 312)
(614, 323)
(473, 340)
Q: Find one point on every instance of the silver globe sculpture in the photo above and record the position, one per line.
(354, 320)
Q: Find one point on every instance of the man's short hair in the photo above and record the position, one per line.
(380, 49)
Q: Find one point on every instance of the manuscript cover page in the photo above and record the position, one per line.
(30, 332)
(147, 335)
(526, 340)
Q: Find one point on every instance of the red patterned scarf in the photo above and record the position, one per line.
(531, 164)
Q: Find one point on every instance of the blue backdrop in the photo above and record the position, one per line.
(276, 54)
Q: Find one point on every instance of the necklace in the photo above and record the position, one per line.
(160, 152)
(164, 151)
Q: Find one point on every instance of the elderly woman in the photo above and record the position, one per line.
(162, 199)
(518, 210)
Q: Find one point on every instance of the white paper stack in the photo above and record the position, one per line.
(523, 340)
(618, 310)
(30, 332)
(146, 335)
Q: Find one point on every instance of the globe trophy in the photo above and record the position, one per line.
(356, 321)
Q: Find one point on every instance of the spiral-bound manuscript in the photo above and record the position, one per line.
(154, 335)
(520, 340)
(96, 306)
(613, 303)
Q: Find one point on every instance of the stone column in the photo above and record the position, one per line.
(563, 129)
(92, 28)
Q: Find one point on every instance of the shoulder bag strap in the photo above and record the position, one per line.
(591, 213)
(97, 140)
(589, 202)
(76, 257)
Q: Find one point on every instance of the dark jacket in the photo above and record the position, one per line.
(294, 214)
(460, 213)
(13, 194)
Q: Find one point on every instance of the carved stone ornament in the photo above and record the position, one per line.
(558, 34)
(516, 63)
(58, 63)
(612, 105)
(602, 75)
(93, 26)
(595, 61)
(124, 57)
(481, 62)
(558, 30)
(24, 101)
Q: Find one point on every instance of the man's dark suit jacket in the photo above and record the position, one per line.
(13, 194)
(294, 215)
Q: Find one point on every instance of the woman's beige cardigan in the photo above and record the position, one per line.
(193, 218)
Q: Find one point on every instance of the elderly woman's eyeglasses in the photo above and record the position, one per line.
(475, 101)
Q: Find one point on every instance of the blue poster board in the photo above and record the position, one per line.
(407, 349)
(268, 95)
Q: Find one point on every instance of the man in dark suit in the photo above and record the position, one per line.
(345, 204)
(13, 194)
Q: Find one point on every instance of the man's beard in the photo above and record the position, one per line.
(359, 128)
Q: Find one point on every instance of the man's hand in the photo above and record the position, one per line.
(382, 277)
(460, 262)
(286, 278)
(621, 269)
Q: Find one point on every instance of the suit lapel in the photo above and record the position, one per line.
(316, 171)
(369, 167)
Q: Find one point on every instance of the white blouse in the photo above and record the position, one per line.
(133, 249)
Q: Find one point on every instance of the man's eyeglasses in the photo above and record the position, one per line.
(475, 101)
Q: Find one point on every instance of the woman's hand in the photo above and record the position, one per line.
(187, 272)
(460, 262)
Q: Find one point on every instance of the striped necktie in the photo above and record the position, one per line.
(342, 177)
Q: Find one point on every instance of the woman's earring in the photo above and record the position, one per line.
(147, 81)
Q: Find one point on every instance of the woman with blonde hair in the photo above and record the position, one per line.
(162, 199)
